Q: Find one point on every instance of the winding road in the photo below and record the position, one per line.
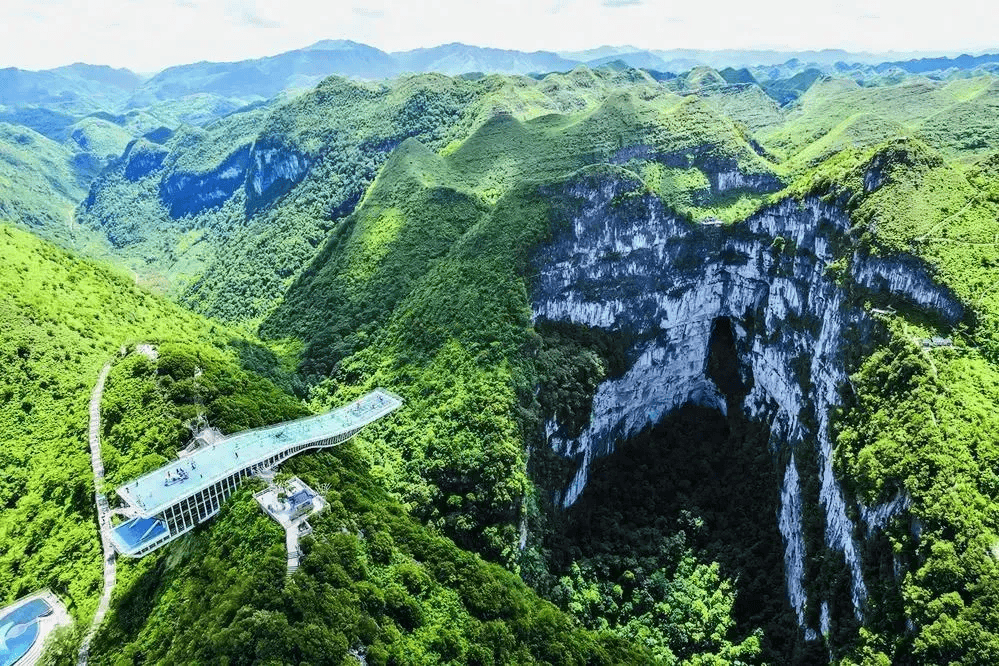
(103, 513)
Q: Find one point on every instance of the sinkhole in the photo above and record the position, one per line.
(713, 431)
(703, 477)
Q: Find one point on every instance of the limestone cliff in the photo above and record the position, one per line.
(622, 262)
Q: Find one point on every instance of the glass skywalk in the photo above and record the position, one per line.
(189, 490)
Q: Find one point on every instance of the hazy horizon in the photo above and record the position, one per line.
(148, 37)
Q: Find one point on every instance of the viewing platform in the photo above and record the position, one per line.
(171, 500)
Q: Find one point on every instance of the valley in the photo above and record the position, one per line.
(695, 367)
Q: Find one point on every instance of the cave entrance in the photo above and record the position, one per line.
(724, 367)
(699, 479)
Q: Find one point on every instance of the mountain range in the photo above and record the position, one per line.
(699, 359)
(87, 88)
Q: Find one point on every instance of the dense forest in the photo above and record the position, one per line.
(286, 256)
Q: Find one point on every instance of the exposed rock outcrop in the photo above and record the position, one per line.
(622, 262)
(273, 171)
(142, 158)
(190, 193)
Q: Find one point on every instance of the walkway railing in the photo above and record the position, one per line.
(103, 514)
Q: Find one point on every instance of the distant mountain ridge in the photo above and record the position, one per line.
(923, 65)
(264, 78)
(457, 58)
(80, 88)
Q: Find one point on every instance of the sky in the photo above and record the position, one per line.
(148, 35)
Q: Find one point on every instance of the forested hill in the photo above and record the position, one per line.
(373, 576)
(63, 318)
(425, 287)
(395, 234)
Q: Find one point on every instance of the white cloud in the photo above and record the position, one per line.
(150, 34)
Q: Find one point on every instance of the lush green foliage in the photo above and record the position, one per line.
(681, 613)
(62, 319)
(39, 187)
(372, 579)
(696, 484)
(401, 256)
(235, 258)
(918, 421)
(922, 423)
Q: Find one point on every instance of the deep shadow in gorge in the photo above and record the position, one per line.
(711, 477)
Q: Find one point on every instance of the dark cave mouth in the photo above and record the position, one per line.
(707, 473)
(711, 478)
(733, 378)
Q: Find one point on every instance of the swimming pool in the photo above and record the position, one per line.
(19, 629)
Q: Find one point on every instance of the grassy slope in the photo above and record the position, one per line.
(469, 311)
(954, 118)
(250, 255)
(450, 333)
(372, 578)
(63, 318)
(917, 420)
(39, 187)
(100, 137)
(402, 217)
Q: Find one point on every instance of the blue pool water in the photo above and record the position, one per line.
(137, 531)
(19, 629)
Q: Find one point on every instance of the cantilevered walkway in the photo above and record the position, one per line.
(171, 500)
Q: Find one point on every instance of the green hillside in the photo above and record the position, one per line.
(422, 203)
(385, 234)
(372, 576)
(39, 186)
(234, 254)
(466, 318)
(63, 318)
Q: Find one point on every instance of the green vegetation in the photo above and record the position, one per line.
(923, 423)
(235, 257)
(637, 544)
(373, 581)
(62, 319)
(39, 187)
(104, 139)
(383, 234)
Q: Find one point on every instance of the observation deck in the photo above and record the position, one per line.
(171, 500)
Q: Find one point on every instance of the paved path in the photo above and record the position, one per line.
(103, 512)
(267, 499)
(291, 543)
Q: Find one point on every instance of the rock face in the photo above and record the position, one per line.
(263, 173)
(191, 193)
(622, 262)
(273, 171)
(141, 159)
